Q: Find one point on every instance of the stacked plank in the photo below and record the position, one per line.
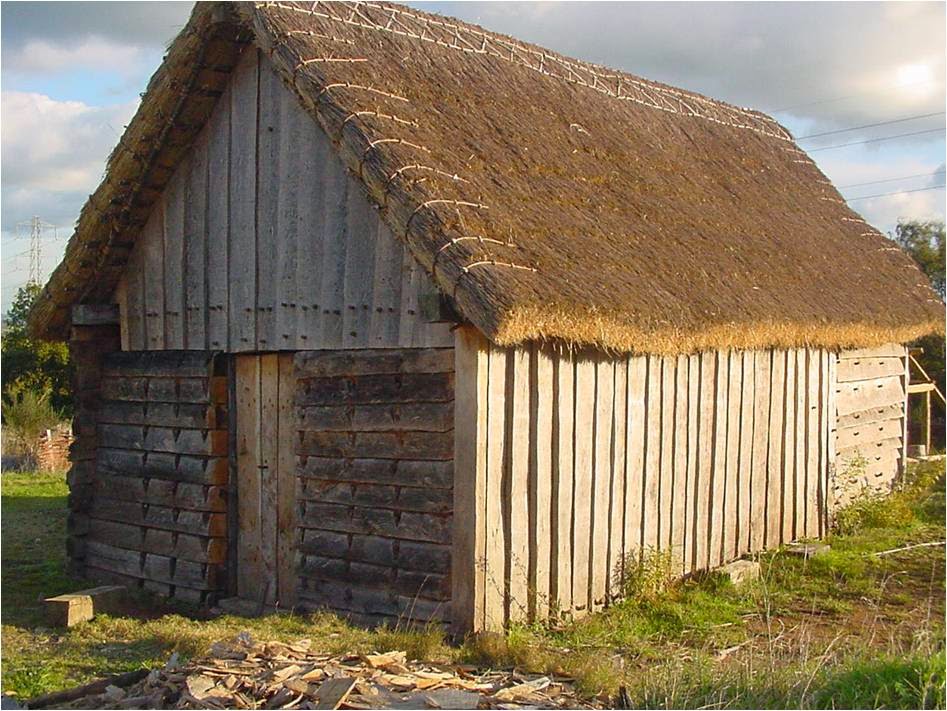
(869, 403)
(375, 450)
(157, 515)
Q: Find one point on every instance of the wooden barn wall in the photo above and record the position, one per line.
(567, 466)
(262, 241)
(374, 450)
(156, 515)
(868, 436)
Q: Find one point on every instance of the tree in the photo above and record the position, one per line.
(34, 365)
(924, 241)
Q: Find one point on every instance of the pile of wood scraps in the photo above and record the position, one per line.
(244, 674)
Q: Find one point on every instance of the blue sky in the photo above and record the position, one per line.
(72, 72)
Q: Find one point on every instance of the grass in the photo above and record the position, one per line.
(845, 629)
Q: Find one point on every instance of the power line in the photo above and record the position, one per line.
(876, 140)
(891, 180)
(871, 125)
(896, 192)
(851, 96)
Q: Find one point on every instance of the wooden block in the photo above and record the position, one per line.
(71, 609)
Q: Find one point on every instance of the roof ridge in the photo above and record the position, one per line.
(643, 91)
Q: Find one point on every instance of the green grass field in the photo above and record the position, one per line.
(846, 629)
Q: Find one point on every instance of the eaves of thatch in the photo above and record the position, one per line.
(550, 198)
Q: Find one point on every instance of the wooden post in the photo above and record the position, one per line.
(927, 421)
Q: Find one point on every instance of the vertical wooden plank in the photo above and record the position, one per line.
(468, 539)
(495, 571)
(243, 202)
(540, 481)
(635, 455)
(286, 483)
(517, 500)
(582, 501)
(616, 529)
(774, 472)
(120, 297)
(905, 382)
(563, 440)
(789, 449)
(799, 488)
(174, 266)
(195, 247)
(716, 519)
(359, 267)
(831, 387)
(135, 297)
(269, 473)
(409, 320)
(666, 486)
(705, 449)
(689, 553)
(679, 482)
(312, 230)
(731, 520)
(812, 440)
(217, 243)
(601, 479)
(759, 471)
(249, 552)
(283, 177)
(651, 510)
(152, 239)
(745, 511)
(335, 240)
(386, 293)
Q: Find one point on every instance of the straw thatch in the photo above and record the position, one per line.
(552, 199)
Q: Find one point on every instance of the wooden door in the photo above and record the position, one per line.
(266, 487)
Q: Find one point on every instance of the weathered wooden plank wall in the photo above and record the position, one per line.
(868, 435)
(707, 456)
(374, 446)
(262, 241)
(157, 513)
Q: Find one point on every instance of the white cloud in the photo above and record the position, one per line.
(95, 53)
(53, 153)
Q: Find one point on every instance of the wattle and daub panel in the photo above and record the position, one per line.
(374, 457)
(262, 241)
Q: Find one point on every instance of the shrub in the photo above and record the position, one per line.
(27, 414)
(646, 576)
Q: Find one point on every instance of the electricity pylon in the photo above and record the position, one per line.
(37, 228)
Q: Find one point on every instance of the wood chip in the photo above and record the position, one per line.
(333, 692)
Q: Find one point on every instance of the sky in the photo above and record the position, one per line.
(71, 74)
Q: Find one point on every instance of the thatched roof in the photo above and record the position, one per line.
(551, 198)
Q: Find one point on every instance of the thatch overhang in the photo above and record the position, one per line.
(550, 198)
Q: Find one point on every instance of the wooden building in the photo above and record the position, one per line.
(380, 312)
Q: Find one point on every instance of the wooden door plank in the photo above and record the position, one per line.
(244, 248)
(359, 268)
(386, 290)
(269, 473)
(286, 483)
(563, 485)
(249, 552)
(584, 452)
(518, 431)
(314, 153)
(468, 536)
(335, 241)
(540, 481)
